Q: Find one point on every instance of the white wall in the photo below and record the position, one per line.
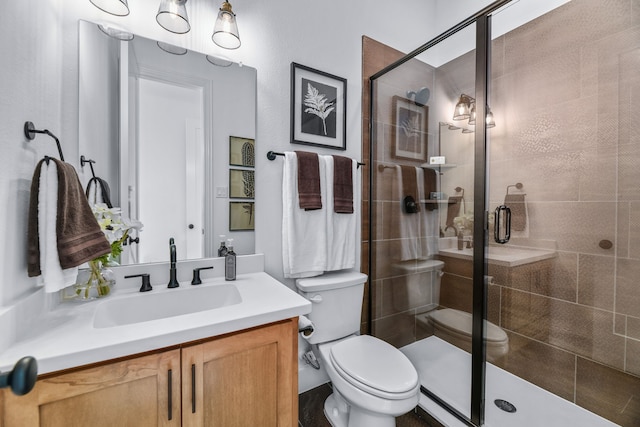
(31, 89)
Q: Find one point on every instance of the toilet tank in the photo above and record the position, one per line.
(336, 304)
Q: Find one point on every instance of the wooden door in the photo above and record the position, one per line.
(139, 392)
(244, 379)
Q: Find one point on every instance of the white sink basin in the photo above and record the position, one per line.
(164, 303)
(507, 255)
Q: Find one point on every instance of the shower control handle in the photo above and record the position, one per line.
(497, 222)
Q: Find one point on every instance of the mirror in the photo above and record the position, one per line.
(157, 120)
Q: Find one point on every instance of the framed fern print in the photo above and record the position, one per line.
(318, 108)
(409, 130)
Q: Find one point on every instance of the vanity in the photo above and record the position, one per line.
(231, 363)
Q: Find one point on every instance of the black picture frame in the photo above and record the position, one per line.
(242, 184)
(242, 151)
(242, 216)
(318, 108)
(410, 129)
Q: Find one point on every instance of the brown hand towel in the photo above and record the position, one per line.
(430, 185)
(309, 181)
(78, 234)
(516, 204)
(410, 184)
(342, 184)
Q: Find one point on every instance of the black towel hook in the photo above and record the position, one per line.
(84, 160)
(30, 131)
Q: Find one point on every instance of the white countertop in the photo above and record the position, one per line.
(65, 337)
(507, 256)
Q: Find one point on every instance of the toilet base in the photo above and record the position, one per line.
(340, 414)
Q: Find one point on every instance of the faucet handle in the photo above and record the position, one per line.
(196, 275)
(146, 284)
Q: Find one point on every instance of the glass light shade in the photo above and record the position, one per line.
(467, 130)
(225, 31)
(172, 16)
(116, 33)
(219, 61)
(489, 120)
(174, 50)
(113, 7)
(461, 111)
(472, 114)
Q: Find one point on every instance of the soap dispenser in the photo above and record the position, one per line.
(230, 262)
(222, 250)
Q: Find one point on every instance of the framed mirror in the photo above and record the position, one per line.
(157, 119)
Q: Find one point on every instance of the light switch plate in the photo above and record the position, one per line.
(222, 192)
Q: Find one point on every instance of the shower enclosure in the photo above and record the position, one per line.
(506, 149)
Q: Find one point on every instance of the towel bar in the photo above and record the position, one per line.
(271, 155)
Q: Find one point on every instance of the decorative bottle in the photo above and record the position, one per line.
(230, 262)
(222, 250)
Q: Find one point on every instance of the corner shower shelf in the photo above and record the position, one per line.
(440, 168)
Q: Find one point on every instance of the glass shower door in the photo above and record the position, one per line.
(422, 213)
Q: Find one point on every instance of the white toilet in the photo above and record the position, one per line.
(451, 325)
(373, 382)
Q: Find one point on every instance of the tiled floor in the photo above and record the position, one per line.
(311, 414)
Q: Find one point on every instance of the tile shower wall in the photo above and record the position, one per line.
(565, 92)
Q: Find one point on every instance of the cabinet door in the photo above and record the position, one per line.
(244, 379)
(143, 391)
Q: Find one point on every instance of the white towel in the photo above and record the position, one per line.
(304, 237)
(428, 230)
(341, 227)
(407, 224)
(53, 276)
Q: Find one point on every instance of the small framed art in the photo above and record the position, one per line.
(242, 184)
(241, 216)
(242, 151)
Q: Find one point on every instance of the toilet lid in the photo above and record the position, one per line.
(369, 361)
(461, 322)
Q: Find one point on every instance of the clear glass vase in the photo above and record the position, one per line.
(94, 282)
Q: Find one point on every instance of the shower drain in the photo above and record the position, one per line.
(505, 406)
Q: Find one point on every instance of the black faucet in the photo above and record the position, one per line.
(173, 282)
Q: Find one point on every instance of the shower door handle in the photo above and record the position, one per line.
(507, 224)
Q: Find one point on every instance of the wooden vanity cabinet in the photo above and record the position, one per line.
(138, 392)
(248, 378)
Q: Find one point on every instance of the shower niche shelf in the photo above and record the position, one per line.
(440, 168)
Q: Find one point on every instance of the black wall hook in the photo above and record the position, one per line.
(30, 132)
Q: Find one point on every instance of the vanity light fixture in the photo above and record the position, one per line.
(491, 123)
(472, 114)
(225, 31)
(113, 7)
(466, 109)
(461, 111)
(172, 16)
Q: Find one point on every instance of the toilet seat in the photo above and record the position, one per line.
(375, 367)
(459, 323)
